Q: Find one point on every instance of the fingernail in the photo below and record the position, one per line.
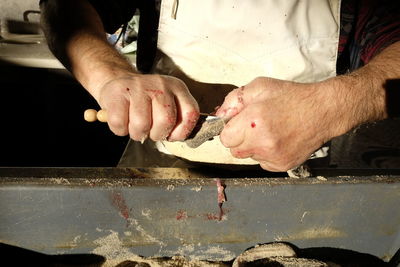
(143, 139)
(165, 138)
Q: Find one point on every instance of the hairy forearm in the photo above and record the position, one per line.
(361, 96)
(76, 36)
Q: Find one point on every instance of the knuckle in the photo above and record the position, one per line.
(259, 80)
(155, 78)
(164, 83)
(117, 125)
(263, 82)
(177, 82)
(171, 84)
(139, 125)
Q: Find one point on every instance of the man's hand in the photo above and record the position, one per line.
(278, 123)
(154, 106)
(281, 123)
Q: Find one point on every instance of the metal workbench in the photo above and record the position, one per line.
(119, 212)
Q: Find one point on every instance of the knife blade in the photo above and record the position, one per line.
(206, 128)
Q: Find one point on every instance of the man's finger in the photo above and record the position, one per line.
(187, 116)
(164, 116)
(233, 134)
(260, 88)
(140, 121)
(187, 111)
(233, 103)
(117, 115)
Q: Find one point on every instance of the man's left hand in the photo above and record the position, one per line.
(277, 123)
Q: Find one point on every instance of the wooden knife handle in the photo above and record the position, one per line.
(92, 115)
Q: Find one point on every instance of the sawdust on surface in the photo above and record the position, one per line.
(112, 248)
(313, 233)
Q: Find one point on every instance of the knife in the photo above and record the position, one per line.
(207, 127)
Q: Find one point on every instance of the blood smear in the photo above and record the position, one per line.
(221, 192)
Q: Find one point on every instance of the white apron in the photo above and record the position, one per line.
(235, 41)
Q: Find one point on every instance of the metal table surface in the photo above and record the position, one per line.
(118, 212)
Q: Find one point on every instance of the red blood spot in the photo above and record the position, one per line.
(221, 197)
(127, 89)
(193, 115)
(118, 201)
(253, 124)
(167, 105)
(171, 119)
(191, 120)
(181, 215)
(212, 217)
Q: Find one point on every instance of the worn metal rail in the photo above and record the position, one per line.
(120, 212)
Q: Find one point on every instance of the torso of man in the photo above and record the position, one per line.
(216, 46)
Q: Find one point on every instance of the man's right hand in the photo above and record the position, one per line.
(155, 106)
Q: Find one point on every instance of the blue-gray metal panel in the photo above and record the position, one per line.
(182, 217)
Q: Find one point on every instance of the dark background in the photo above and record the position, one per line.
(42, 122)
(42, 125)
